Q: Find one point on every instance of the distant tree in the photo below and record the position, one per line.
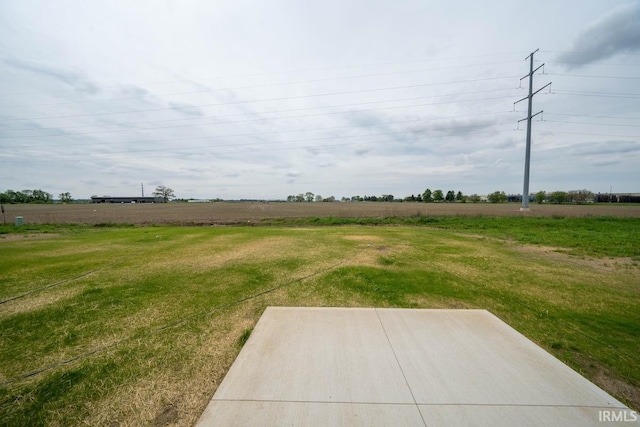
(14, 196)
(165, 192)
(291, 198)
(438, 196)
(540, 196)
(460, 197)
(329, 199)
(26, 196)
(419, 197)
(22, 196)
(474, 198)
(558, 197)
(65, 197)
(300, 198)
(387, 198)
(318, 198)
(309, 196)
(497, 197)
(580, 196)
(451, 196)
(427, 197)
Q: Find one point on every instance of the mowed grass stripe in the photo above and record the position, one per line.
(582, 309)
(160, 292)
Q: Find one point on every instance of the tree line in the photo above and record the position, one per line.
(29, 196)
(451, 196)
(41, 196)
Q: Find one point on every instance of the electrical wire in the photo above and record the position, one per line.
(588, 134)
(195, 80)
(242, 114)
(590, 124)
(284, 98)
(593, 77)
(557, 92)
(176, 150)
(589, 116)
(210, 90)
(83, 144)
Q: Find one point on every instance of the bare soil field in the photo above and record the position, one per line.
(227, 213)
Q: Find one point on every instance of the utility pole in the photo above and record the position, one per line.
(142, 185)
(527, 157)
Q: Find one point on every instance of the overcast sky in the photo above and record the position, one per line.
(263, 99)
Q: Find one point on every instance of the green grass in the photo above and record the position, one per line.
(596, 236)
(118, 324)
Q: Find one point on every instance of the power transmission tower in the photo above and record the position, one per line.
(527, 157)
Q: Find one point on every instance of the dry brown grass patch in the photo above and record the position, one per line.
(38, 301)
(159, 398)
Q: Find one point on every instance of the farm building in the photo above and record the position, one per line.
(136, 199)
(617, 198)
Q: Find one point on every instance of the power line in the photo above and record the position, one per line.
(568, 93)
(596, 92)
(590, 123)
(227, 115)
(593, 77)
(249, 87)
(588, 63)
(325, 113)
(257, 119)
(174, 150)
(592, 134)
(260, 100)
(254, 144)
(264, 133)
(195, 80)
(593, 116)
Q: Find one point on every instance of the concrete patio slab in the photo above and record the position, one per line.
(367, 366)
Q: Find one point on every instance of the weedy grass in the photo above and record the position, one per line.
(138, 325)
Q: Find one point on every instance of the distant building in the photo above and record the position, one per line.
(617, 198)
(138, 199)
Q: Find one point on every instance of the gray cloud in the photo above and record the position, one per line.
(133, 91)
(607, 147)
(292, 176)
(361, 150)
(187, 109)
(614, 33)
(70, 78)
(452, 128)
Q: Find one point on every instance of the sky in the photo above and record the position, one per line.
(249, 99)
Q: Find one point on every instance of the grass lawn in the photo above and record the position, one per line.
(138, 325)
